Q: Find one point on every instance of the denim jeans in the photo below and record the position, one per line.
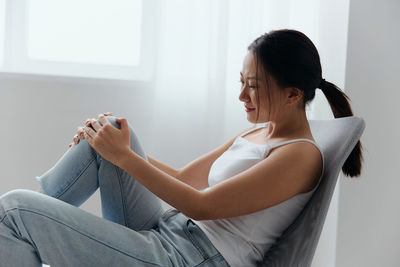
(50, 228)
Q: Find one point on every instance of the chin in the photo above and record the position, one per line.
(252, 120)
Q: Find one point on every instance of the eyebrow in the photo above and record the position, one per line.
(252, 77)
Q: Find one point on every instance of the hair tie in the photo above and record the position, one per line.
(321, 84)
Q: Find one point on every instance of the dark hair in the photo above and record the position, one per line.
(292, 59)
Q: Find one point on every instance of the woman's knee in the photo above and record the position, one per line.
(135, 144)
(112, 120)
(19, 198)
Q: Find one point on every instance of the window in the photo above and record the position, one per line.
(89, 38)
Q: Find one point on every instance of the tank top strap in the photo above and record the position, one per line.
(252, 129)
(292, 141)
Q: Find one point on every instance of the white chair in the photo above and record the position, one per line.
(296, 246)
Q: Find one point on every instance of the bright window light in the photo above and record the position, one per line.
(85, 31)
(2, 23)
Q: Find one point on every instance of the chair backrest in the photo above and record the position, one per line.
(296, 246)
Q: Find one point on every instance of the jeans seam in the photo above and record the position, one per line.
(122, 196)
(33, 243)
(2, 219)
(74, 181)
(88, 236)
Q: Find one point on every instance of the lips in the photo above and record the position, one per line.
(249, 109)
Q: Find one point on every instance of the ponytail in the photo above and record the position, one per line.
(340, 106)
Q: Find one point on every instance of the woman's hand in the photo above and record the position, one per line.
(79, 132)
(111, 143)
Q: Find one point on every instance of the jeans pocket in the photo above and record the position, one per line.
(211, 256)
(190, 229)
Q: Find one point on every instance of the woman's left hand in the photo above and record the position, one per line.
(111, 143)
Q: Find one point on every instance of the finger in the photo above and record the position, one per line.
(88, 122)
(88, 138)
(89, 132)
(123, 122)
(75, 139)
(80, 132)
(96, 125)
(103, 120)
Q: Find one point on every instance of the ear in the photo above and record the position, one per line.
(293, 95)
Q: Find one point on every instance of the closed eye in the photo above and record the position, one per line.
(250, 86)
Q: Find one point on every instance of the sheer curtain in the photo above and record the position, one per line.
(200, 48)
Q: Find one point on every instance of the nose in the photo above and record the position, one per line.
(243, 96)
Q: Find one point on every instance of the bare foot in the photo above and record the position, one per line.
(40, 191)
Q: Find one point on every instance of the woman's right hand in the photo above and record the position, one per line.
(79, 132)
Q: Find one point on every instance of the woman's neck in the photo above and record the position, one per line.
(291, 125)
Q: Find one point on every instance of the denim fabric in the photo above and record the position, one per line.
(50, 228)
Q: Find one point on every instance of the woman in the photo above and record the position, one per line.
(229, 205)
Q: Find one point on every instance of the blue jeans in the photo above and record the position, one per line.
(49, 228)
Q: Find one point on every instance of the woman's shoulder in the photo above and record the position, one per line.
(309, 155)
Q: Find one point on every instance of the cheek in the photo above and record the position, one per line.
(264, 109)
(263, 100)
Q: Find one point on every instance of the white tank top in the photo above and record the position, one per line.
(243, 240)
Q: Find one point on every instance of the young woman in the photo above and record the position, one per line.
(229, 205)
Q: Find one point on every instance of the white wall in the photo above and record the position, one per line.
(369, 213)
(39, 116)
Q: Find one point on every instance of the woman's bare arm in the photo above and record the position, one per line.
(162, 166)
(196, 172)
(289, 170)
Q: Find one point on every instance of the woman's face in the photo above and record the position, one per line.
(250, 87)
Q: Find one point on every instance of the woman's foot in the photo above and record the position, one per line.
(40, 191)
